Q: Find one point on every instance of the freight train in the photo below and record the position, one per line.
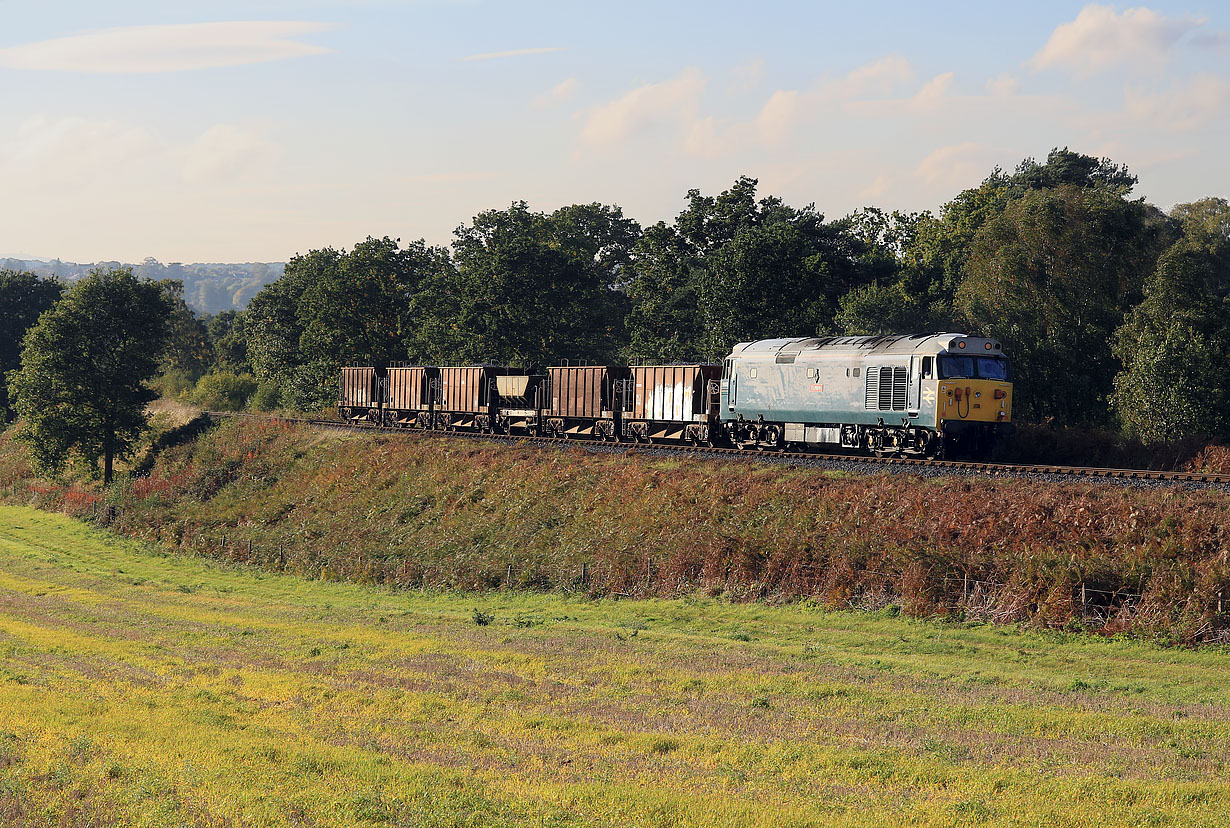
(925, 395)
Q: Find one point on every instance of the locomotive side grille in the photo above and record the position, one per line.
(886, 389)
(899, 384)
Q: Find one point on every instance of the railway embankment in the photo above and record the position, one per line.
(459, 514)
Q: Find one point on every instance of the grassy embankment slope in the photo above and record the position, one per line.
(462, 514)
(143, 689)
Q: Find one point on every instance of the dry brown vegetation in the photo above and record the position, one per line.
(460, 514)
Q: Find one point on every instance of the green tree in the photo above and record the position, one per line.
(1052, 277)
(23, 297)
(733, 267)
(533, 288)
(363, 306)
(273, 327)
(873, 310)
(371, 304)
(228, 341)
(934, 251)
(1175, 345)
(665, 321)
(82, 386)
(899, 292)
(189, 353)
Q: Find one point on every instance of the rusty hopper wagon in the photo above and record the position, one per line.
(673, 403)
(468, 398)
(361, 395)
(585, 401)
(412, 396)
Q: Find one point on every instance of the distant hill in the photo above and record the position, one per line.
(208, 288)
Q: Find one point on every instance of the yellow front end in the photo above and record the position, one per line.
(974, 400)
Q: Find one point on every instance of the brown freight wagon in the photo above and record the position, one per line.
(673, 402)
(411, 402)
(584, 401)
(361, 395)
(467, 397)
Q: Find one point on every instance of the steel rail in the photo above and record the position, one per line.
(765, 454)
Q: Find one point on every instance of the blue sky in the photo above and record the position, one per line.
(229, 131)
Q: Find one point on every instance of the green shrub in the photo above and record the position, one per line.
(268, 396)
(224, 390)
(173, 383)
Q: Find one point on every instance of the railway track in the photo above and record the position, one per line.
(869, 463)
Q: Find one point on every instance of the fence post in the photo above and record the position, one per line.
(965, 587)
(1219, 604)
(1083, 612)
(585, 577)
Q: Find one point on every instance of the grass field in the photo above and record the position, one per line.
(143, 689)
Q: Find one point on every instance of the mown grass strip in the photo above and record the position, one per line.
(148, 689)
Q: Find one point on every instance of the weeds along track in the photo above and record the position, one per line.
(855, 464)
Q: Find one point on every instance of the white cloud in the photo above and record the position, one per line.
(557, 94)
(785, 109)
(224, 151)
(77, 158)
(542, 50)
(72, 152)
(1100, 37)
(1183, 109)
(877, 188)
(175, 48)
(955, 167)
(933, 93)
(777, 116)
(1003, 86)
(880, 77)
(674, 100)
(747, 75)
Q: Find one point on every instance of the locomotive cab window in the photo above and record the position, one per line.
(970, 367)
(928, 369)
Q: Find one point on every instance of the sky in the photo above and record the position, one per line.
(255, 130)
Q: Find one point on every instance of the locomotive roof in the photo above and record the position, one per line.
(862, 346)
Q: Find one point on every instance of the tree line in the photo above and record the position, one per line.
(1115, 314)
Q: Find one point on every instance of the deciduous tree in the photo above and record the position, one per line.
(23, 297)
(1053, 277)
(1175, 345)
(533, 288)
(82, 385)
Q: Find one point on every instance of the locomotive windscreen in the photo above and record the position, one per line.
(971, 367)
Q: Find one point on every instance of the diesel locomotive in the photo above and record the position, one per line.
(925, 395)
